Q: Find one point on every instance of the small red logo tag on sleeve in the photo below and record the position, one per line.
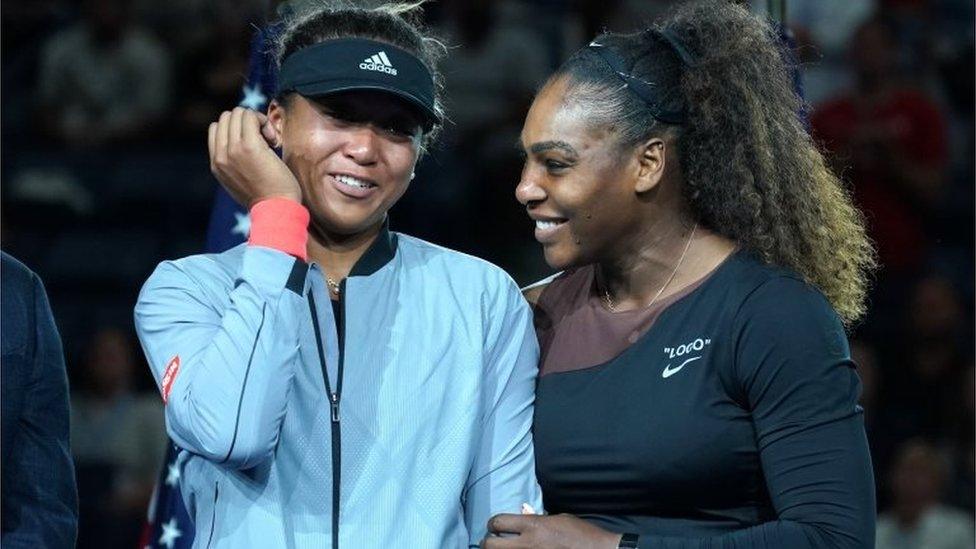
(169, 376)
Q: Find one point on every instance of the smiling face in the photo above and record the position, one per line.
(353, 154)
(583, 189)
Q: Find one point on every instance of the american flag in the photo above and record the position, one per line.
(168, 525)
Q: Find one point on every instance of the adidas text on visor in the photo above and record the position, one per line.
(346, 64)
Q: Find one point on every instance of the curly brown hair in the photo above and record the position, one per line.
(751, 171)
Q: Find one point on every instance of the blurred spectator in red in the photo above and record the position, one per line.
(917, 519)
(103, 80)
(118, 440)
(889, 140)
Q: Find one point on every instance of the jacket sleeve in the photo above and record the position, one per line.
(503, 474)
(224, 369)
(41, 479)
(794, 373)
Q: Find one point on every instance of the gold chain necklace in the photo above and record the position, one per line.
(333, 286)
(606, 291)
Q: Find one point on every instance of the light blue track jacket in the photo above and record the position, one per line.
(410, 431)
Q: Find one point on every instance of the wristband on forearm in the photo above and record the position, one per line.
(282, 224)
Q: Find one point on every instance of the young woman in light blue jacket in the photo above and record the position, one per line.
(332, 383)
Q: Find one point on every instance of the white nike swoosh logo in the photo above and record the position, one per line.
(668, 371)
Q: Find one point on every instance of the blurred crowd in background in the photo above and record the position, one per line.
(105, 173)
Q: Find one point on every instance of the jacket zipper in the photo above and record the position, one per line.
(334, 397)
(213, 517)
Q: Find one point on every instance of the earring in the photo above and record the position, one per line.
(412, 175)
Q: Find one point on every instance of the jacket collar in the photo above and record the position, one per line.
(379, 253)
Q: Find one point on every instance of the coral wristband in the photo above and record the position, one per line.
(282, 224)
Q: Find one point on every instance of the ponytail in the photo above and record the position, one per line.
(751, 171)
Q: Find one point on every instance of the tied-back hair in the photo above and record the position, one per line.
(399, 24)
(750, 170)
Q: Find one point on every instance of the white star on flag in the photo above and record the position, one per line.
(172, 475)
(253, 98)
(243, 226)
(170, 533)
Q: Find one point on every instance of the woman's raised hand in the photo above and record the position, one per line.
(243, 160)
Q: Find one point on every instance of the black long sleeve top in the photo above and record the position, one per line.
(730, 422)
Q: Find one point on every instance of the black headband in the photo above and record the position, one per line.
(346, 64)
(678, 46)
(647, 91)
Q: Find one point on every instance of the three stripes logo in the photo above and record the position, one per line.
(379, 62)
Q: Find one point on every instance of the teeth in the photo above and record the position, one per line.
(353, 182)
(547, 224)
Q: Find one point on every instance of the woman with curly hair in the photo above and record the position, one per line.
(696, 387)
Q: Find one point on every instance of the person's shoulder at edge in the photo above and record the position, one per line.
(14, 269)
(20, 285)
